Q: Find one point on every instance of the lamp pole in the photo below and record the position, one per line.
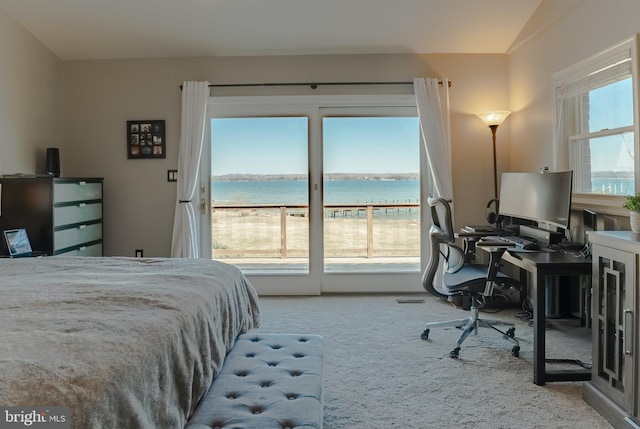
(494, 128)
(493, 120)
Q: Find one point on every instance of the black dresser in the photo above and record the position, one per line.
(61, 215)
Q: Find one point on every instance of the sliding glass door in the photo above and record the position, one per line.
(371, 195)
(260, 193)
(311, 194)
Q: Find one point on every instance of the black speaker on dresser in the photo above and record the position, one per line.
(52, 162)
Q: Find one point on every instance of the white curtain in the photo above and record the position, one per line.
(184, 241)
(432, 100)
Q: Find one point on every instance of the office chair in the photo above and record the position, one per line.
(476, 281)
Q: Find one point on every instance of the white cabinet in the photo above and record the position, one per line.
(613, 389)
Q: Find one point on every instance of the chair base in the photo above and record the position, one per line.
(471, 324)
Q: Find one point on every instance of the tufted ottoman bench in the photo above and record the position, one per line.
(267, 381)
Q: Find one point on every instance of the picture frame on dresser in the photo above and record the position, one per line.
(146, 139)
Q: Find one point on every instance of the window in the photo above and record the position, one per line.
(595, 123)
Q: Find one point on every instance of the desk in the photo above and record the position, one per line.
(539, 265)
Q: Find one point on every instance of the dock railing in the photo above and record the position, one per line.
(282, 231)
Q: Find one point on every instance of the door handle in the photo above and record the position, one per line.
(628, 332)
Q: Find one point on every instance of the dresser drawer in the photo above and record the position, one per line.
(76, 213)
(93, 250)
(76, 191)
(75, 236)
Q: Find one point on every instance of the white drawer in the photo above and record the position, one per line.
(75, 236)
(76, 191)
(93, 250)
(76, 213)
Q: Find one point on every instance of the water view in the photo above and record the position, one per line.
(296, 191)
(613, 186)
(370, 191)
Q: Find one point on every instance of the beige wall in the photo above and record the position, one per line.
(590, 27)
(100, 96)
(30, 99)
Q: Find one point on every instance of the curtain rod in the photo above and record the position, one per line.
(312, 85)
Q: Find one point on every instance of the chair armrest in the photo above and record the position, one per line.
(495, 255)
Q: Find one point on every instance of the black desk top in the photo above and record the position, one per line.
(549, 256)
(546, 260)
(543, 257)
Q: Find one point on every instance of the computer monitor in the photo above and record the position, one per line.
(544, 198)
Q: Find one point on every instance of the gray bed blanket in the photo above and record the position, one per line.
(123, 342)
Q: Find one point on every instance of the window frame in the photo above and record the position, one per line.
(605, 65)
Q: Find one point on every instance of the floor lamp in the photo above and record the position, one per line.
(494, 120)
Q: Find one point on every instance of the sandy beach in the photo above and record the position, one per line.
(253, 232)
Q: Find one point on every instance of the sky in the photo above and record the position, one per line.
(279, 145)
(611, 107)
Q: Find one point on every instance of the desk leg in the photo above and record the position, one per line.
(539, 324)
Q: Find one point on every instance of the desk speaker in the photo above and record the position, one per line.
(52, 162)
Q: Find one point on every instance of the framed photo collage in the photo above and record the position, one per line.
(146, 139)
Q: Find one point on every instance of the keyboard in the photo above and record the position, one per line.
(480, 229)
(520, 242)
(511, 241)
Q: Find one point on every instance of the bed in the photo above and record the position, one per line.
(122, 342)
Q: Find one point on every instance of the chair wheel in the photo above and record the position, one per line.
(515, 351)
(511, 332)
(455, 353)
(425, 334)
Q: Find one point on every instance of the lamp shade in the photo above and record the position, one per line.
(496, 117)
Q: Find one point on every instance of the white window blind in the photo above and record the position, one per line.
(596, 76)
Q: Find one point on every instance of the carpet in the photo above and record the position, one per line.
(379, 374)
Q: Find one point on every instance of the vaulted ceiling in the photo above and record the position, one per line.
(105, 29)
